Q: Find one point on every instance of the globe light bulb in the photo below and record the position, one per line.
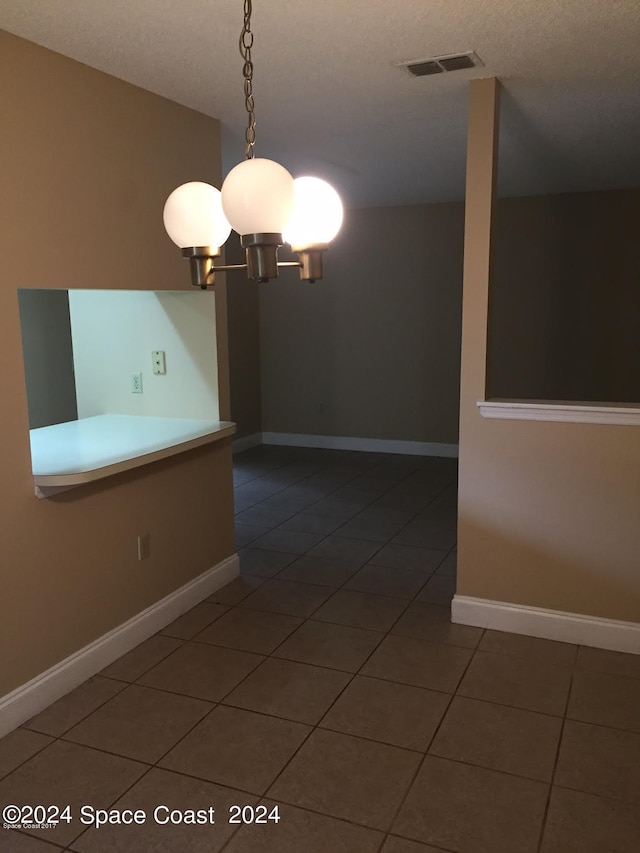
(258, 197)
(193, 216)
(317, 214)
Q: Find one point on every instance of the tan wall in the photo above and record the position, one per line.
(86, 162)
(548, 512)
(372, 350)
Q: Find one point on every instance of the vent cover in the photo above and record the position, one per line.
(439, 64)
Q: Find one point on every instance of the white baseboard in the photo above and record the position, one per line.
(246, 442)
(549, 624)
(369, 445)
(33, 697)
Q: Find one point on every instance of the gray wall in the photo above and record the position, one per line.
(564, 320)
(243, 308)
(48, 356)
(372, 350)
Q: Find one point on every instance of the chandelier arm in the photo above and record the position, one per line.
(227, 267)
(203, 270)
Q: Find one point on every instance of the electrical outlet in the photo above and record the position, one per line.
(159, 362)
(144, 546)
(136, 383)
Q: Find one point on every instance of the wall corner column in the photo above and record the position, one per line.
(482, 169)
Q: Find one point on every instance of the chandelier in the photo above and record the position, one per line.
(261, 201)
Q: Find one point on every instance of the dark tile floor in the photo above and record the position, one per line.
(328, 680)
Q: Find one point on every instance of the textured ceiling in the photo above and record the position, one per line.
(331, 100)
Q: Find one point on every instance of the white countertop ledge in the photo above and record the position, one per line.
(626, 414)
(76, 452)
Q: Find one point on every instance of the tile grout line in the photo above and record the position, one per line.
(267, 655)
(350, 518)
(545, 813)
(381, 546)
(61, 738)
(210, 711)
(433, 737)
(353, 676)
(150, 766)
(297, 482)
(33, 755)
(575, 669)
(125, 684)
(365, 506)
(491, 702)
(316, 726)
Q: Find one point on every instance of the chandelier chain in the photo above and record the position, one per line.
(246, 43)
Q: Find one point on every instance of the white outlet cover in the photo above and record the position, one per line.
(158, 361)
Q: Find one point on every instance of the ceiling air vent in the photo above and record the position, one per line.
(457, 63)
(421, 69)
(438, 64)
